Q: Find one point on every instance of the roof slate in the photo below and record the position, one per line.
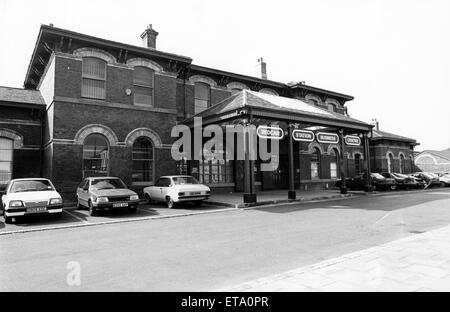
(443, 154)
(247, 98)
(377, 134)
(15, 95)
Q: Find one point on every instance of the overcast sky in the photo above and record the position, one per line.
(392, 56)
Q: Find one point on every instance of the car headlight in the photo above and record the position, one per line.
(16, 203)
(102, 199)
(55, 201)
(134, 197)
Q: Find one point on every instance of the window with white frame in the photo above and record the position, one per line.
(142, 160)
(315, 164)
(334, 161)
(202, 97)
(93, 84)
(215, 171)
(95, 156)
(143, 81)
(6, 160)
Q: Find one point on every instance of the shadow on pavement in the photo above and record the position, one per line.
(389, 201)
(43, 220)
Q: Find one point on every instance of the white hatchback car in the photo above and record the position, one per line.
(175, 189)
(29, 197)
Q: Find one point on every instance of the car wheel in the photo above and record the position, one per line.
(442, 184)
(393, 187)
(8, 220)
(133, 209)
(148, 198)
(169, 202)
(92, 210)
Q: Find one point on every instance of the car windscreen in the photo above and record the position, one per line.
(377, 175)
(107, 184)
(184, 180)
(31, 186)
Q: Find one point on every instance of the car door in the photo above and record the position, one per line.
(165, 188)
(155, 191)
(83, 192)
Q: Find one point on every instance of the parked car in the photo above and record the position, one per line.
(417, 183)
(175, 189)
(403, 181)
(444, 180)
(32, 196)
(359, 182)
(428, 178)
(104, 193)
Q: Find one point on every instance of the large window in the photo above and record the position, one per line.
(6, 154)
(93, 78)
(215, 171)
(142, 160)
(95, 156)
(334, 164)
(202, 97)
(315, 164)
(390, 161)
(402, 163)
(357, 164)
(143, 81)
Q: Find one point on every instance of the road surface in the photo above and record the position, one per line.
(212, 251)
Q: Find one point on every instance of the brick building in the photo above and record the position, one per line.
(97, 107)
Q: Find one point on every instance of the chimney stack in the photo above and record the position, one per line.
(149, 37)
(376, 124)
(261, 69)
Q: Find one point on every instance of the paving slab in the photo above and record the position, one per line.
(416, 263)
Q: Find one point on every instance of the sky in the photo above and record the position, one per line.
(393, 56)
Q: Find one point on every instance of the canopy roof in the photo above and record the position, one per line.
(382, 135)
(13, 96)
(275, 107)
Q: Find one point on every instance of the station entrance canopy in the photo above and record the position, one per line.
(286, 120)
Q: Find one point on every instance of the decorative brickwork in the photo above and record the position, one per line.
(145, 63)
(13, 135)
(92, 52)
(96, 128)
(237, 85)
(204, 79)
(144, 132)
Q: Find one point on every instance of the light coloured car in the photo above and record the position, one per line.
(176, 189)
(25, 197)
(105, 193)
(444, 180)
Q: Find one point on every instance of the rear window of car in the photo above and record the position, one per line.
(107, 184)
(184, 180)
(31, 186)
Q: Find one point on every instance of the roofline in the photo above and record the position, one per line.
(23, 104)
(238, 76)
(96, 40)
(319, 90)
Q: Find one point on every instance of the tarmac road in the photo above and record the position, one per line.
(212, 251)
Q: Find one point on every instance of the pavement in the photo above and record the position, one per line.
(420, 263)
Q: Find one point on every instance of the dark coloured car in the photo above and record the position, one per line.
(404, 182)
(104, 193)
(428, 178)
(359, 182)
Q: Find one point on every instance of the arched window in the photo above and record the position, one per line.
(202, 97)
(357, 164)
(315, 164)
(143, 81)
(390, 161)
(401, 160)
(142, 160)
(334, 161)
(6, 160)
(93, 78)
(95, 156)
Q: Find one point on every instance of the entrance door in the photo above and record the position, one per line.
(278, 178)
